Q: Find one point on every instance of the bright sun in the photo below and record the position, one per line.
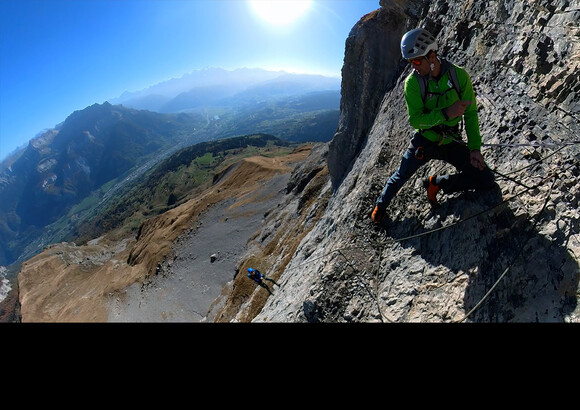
(280, 12)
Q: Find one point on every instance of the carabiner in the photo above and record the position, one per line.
(420, 154)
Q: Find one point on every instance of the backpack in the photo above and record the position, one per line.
(454, 83)
(452, 74)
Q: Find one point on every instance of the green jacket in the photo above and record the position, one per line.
(441, 94)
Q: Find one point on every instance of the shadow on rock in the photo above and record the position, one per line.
(518, 272)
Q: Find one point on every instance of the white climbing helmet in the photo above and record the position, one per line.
(417, 43)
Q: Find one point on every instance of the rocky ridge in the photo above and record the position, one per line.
(510, 255)
(120, 280)
(504, 256)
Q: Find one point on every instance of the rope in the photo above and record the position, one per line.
(392, 241)
(506, 177)
(375, 296)
(474, 215)
(515, 258)
(538, 161)
(562, 145)
(554, 144)
(405, 238)
(428, 232)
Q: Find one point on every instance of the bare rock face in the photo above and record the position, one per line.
(509, 255)
(174, 268)
(371, 64)
(275, 242)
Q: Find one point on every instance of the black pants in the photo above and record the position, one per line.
(454, 153)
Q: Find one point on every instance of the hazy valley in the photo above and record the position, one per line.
(68, 172)
(171, 237)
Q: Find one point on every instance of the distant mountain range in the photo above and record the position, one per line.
(219, 87)
(104, 147)
(63, 166)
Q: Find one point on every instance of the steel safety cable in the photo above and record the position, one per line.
(504, 273)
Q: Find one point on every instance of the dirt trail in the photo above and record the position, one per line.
(189, 282)
(116, 281)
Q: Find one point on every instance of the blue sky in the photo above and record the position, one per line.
(59, 56)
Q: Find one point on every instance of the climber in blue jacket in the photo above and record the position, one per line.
(259, 278)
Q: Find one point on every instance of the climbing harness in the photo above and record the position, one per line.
(444, 132)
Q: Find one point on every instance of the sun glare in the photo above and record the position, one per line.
(280, 12)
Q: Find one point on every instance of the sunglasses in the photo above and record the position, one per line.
(416, 61)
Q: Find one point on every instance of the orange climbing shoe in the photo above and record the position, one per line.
(377, 215)
(432, 189)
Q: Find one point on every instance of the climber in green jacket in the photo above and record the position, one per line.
(439, 95)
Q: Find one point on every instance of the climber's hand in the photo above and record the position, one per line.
(457, 108)
(477, 160)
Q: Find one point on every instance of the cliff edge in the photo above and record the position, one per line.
(505, 256)
(508, 255)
